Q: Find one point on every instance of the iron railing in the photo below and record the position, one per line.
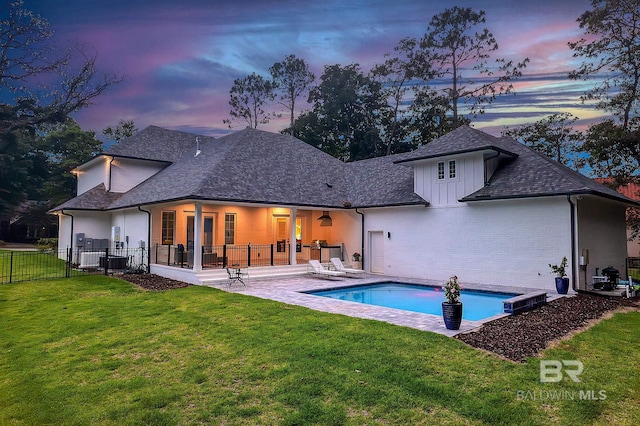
(221, 256)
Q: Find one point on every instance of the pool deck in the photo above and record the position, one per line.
(290, 290)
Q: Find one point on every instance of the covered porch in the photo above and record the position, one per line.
(201, 236)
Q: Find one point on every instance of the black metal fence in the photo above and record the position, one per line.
(243, 256)
(17, 266)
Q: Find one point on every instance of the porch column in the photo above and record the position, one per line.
(292, 237)
(197, 238)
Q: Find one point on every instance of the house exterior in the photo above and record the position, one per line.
(632, 191)
(486, 209)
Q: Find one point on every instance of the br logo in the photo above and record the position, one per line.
(552, 371)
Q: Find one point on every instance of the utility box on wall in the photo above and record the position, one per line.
(115, 234)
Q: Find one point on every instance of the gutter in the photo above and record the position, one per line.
(148, 238)
(362, 239)
(575, 274)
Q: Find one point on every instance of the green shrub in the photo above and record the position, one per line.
(47, 244)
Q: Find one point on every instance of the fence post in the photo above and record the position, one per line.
(271, 255)
(11, 269)
(68, 268)
(289, 254)
(224, 256)
(106, 261)
(248, 255)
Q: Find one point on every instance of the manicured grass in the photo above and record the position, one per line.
(95, 350)
(18, 266)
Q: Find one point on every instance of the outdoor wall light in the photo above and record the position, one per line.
(389, 235)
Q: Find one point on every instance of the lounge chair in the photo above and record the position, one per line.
(318, 269)
(337, 264)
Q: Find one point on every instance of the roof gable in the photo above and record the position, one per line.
(461, 140)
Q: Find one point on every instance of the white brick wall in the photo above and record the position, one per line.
(507, 242)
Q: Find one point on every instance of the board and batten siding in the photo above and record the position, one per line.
(439, 192)
(507, 242)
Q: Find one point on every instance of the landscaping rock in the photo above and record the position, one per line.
(517, 337)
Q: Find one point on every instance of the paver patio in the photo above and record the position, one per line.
(290, 290)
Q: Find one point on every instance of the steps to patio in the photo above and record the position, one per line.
(216, 276)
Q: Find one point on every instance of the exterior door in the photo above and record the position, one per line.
(281, 233)
(207, 232)
(376, 250)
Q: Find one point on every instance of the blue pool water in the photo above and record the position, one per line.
(477, 305)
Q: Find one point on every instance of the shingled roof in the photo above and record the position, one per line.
(97, 198)
(524, 173)
(254, 166)
(461, 140)
(156, 143)
(250, 166)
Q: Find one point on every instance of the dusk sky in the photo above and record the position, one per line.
(180, 58)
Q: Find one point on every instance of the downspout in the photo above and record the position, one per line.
(148, 238)
(575, 274)
(71, 216)
(362, 239)
(109, 177)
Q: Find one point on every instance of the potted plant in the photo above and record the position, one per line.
(452, 307)
(562, 282)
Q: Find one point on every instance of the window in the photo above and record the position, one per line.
(229, 228)
(168, 227)
(441, 170)
(452, 169)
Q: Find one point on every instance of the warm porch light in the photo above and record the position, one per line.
(325, 219)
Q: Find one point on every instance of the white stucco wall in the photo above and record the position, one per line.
(133, 224)
(127, 173)
(507, 242)
(602, 231)
(93, 174)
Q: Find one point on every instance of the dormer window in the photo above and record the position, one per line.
(443, 173)
(441, 170)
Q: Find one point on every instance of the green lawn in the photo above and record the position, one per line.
(95, 350)
(18, 266)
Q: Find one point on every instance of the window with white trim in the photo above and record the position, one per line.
(229, 228)
(168, 226)
(452, 169)
(441, 170)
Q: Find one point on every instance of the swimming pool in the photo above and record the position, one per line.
(478, 305)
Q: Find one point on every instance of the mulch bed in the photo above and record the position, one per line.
(515, 337)
(153, 282)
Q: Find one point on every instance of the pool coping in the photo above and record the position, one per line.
(291, 290)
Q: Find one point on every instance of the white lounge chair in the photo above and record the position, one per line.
(337, 264)
(318, 269)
